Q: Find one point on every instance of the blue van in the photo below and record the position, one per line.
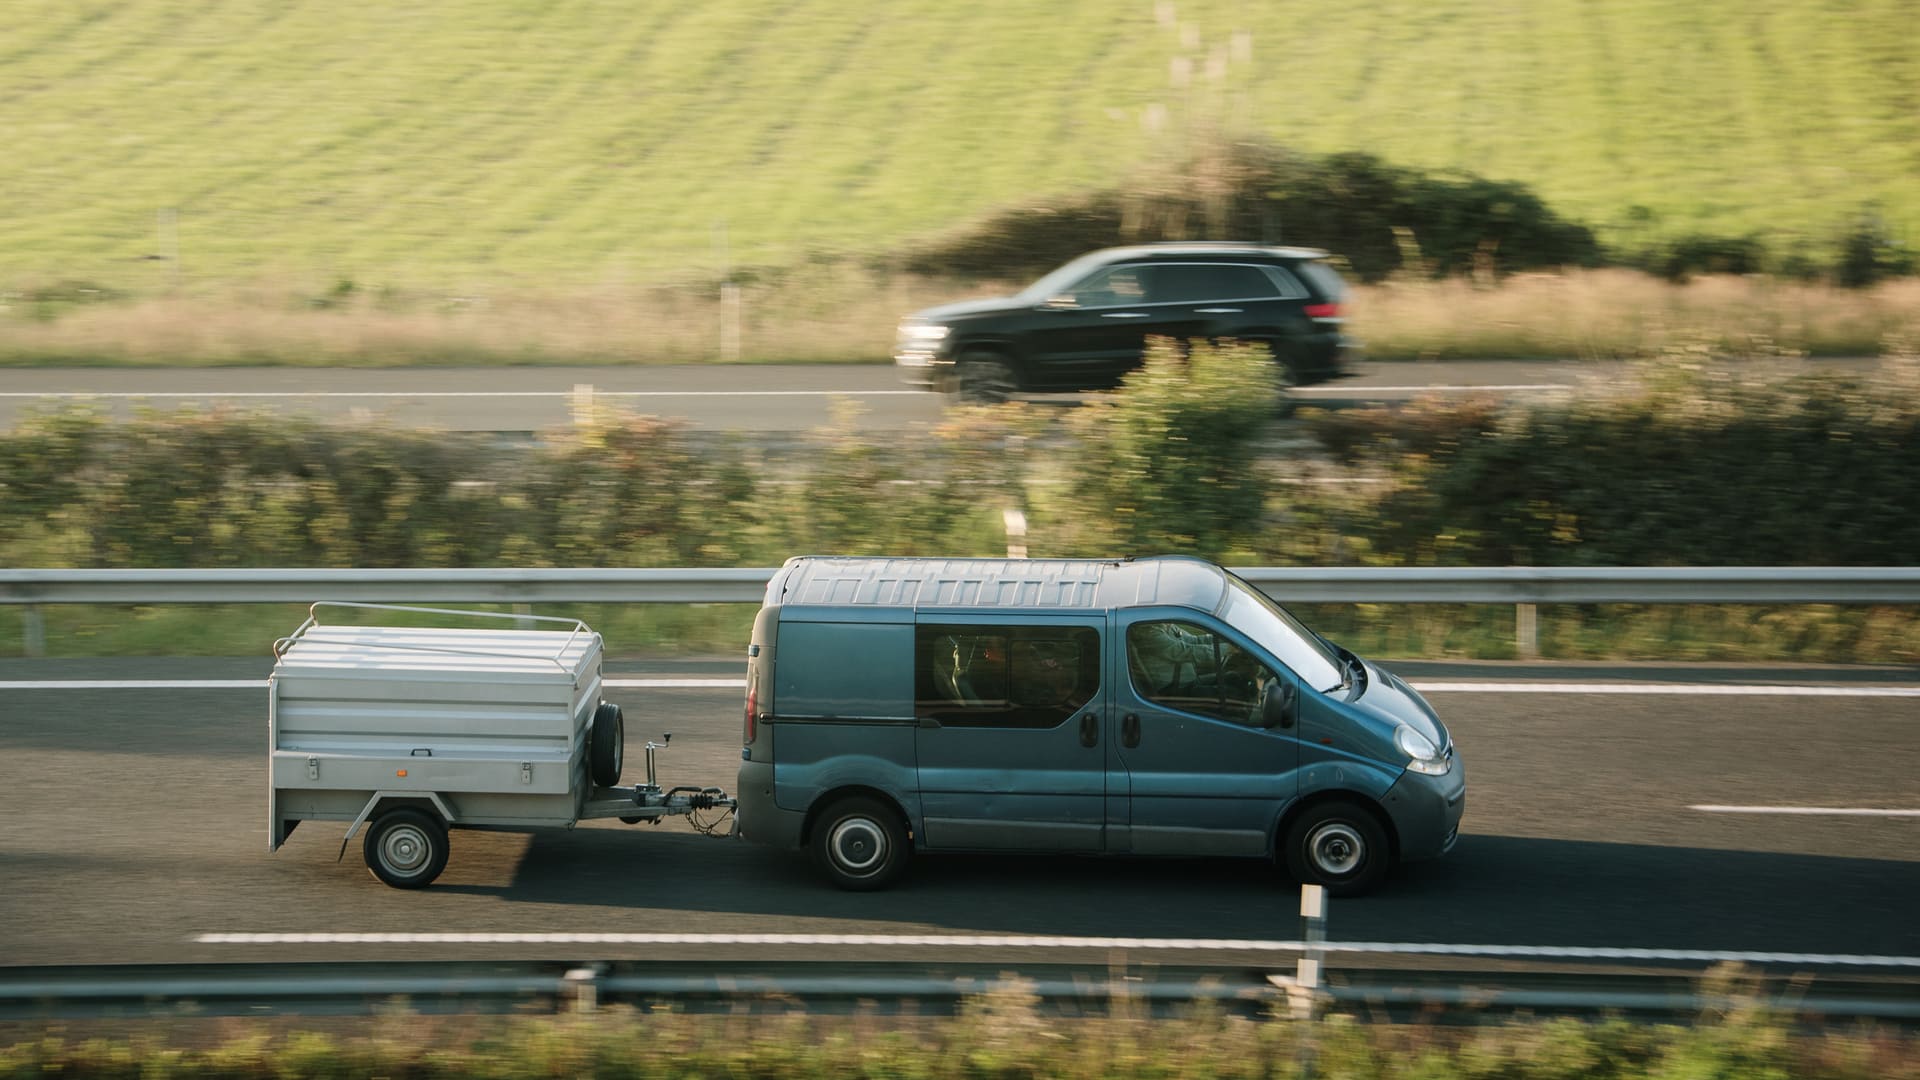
(1157, 706)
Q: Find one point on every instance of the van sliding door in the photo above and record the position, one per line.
(1010, 732)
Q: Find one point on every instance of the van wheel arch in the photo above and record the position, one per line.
(859, 838)
(826, 801)
(1278, 840)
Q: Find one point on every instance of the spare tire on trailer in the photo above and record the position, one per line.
(606, 745)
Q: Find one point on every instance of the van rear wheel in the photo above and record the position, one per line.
(861, 844)
(1340, 845)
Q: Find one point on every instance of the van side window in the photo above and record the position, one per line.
(1182, 665)
(1004, 676)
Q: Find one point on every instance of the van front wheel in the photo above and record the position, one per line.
(861, 844)
(1340, 845)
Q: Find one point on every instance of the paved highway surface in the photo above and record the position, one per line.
(135, 826)
(760, 398)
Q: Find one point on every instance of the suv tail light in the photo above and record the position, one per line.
(1323, 311)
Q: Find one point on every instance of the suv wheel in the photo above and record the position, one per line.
(984, 378)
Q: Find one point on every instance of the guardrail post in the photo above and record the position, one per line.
(33, 631)
(585, 983)
(1526, 631)
(1016, 521)
(524, 610)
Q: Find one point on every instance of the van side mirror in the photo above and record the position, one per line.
(1277, 701)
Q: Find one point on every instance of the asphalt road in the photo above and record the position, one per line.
(757, 398)
(134, 824)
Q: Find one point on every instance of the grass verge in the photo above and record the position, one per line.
(1001, 1035)
(848, 316)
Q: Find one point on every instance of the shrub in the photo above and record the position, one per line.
(1169, 462)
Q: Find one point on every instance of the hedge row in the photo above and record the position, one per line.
(1381, 219)
(1000, 1036)
(1683, 467)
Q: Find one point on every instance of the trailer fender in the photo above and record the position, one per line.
(439, 804)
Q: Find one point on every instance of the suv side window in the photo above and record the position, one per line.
(1004, 676)
(1192, 282)
(1116, 286)
(1185, 666)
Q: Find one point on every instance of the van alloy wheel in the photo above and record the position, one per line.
(1341, 845)
(861, 844)
(1336, 848)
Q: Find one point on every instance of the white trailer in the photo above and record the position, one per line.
(415, 730)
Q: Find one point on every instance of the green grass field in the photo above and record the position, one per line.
(467, 144)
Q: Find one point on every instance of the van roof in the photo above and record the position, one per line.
(997, 584)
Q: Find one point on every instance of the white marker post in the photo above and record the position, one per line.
(1313, 916)
(1304, 996)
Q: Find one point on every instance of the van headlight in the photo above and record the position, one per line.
(1422, 755)
(923, 333)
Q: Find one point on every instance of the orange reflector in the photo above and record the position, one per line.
(399, 772)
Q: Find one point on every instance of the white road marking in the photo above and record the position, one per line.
(130, 395)
(1442, 388)
(134, 684)
(261, 684)
(1832, 811)
(1707, 689)
(986, 941)
(1519, 687)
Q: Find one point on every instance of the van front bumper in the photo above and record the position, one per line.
(757, 817)
(1426, 811)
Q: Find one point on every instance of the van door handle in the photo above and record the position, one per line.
(1130, 731)
(1125, 315)
(1089, 730)
(1216, 311)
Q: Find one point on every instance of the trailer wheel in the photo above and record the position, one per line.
(406, 848)
(861, 844)
(606, 748)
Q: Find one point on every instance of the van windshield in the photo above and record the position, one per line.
(1250, 611)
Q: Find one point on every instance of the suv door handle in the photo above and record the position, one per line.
(1089, 730)
(1130, 731)
(1124, 315)
(1217, 311)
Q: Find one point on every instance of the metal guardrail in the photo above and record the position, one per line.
(1522, 586)
(1292, 584)
(472, 986)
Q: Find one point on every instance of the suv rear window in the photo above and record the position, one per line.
(1324, 279)
(1175, 283)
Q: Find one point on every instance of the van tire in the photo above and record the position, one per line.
(606, 747)
(860, 843)
(1340, 845)
(406, 848)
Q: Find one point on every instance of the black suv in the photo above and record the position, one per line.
(1085, 325)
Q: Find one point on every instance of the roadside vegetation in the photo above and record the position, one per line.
(1694, 462)
(848, 315)
(1001, 1035)
(458, 143)
(646, 182)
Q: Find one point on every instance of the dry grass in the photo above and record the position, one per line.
(843, 315)
(1620, 313)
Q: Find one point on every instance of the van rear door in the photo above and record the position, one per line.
(1009, 737)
